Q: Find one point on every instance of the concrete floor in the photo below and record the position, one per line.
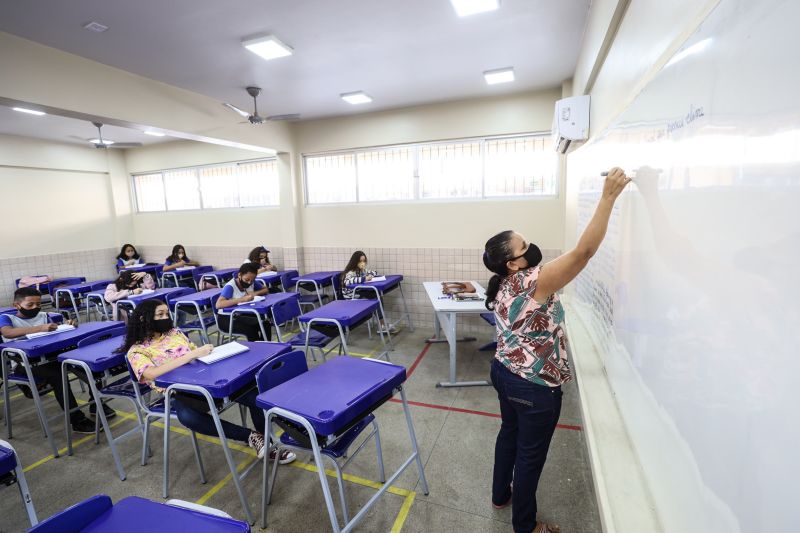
(456, 429)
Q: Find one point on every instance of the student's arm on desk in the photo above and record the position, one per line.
(11, 332)
(152, 372)
(223, 302)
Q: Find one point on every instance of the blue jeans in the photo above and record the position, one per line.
(192, 411)
(529, 414)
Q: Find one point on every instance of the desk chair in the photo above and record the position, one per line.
(298, 434)
(10, 473)
(286, 312)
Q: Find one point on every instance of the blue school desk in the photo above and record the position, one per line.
(332, 397)
(319, 280)
(220, 276)
(193, 304)
(380, 288)
(50, 286)
(344, 314)
(35, 351)
(193, 273)
(134, 515)
(74, 293)
(11, 472)
(218, 381)
(257, 309)
(100, 358)
(158, 294)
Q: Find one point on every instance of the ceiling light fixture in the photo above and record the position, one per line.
(105, 141)
(358, 97)
(154, 133)
(95, 26)
(267, 46)
(29, 111)
(465, 8)
(500, 75)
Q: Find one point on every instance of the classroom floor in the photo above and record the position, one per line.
(456, 429)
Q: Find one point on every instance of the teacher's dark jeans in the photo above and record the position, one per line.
(529, 415)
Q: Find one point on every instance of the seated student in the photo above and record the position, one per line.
(260, 256)
(178, 259)
(127, 284)
(31, 319)
(154, 347)
(238, 290)
(356, 272)
(128, 256)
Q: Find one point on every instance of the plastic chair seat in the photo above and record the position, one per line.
(311, 298)
(339, 448)
(316, 339)
(207, 321)
(8, 461)
(122, 387)
(489, 318)
(21, 378)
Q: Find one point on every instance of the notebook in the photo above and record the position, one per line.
(254, 300)
(60, 329)
(223, 352)
(146, 291)
(379, 278)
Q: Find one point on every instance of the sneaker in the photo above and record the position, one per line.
(83, 425)
(109, 412)
(256, 441)
(285, 458)
(390, 329)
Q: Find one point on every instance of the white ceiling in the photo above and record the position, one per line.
(67, 130)
(401, 52)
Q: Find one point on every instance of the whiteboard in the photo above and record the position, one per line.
(692, 300)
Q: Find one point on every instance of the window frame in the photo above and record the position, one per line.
(135, 190)
(417, 181)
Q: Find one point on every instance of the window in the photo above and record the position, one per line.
(244, 184)
(476, 168)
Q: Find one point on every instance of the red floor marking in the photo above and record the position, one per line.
(417, 361)
(472, 412)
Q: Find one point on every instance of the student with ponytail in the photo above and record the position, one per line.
(531, 359)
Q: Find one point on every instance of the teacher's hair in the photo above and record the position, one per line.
(497, 253)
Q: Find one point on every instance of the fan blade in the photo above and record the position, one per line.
(245, 114)
(125, 145)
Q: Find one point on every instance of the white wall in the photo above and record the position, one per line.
(430, 224)
(56, 198)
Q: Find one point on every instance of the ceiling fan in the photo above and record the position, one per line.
(255, 118)
(99, 142)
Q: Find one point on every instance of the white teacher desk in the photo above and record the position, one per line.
(446, 311)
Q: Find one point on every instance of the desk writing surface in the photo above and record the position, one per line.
(58, 341)
(441, 304)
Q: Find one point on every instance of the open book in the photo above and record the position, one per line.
(60, 329)
(223, 352)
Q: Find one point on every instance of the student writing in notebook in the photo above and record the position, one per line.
(240, 290)
(128, 256)
(260, 256)
(126, 285)
(31, 319)
(154, 347)
(357, 271)
(178, 259)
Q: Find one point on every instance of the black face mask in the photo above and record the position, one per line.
(533, 255)
(163, 325)
(30, 313)
(243, 284)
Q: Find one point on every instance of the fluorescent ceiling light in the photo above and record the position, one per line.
(154, 133)
(465, 8)
(267, 46)
(358, 97)
(29, 111)
(97, 141)
(500, 75)
(694, 49)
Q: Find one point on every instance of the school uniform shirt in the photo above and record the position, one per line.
(353, 277)
(122, 262)
(231, 290)
(531, 341)
(156, 352)
(15, 321)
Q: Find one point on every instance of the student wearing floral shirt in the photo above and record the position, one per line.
(154, 348)
(531, 360)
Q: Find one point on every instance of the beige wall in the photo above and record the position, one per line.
(55, 198)
(430, 224)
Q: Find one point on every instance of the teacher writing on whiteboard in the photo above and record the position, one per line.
(531, 359)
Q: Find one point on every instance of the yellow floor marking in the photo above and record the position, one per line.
(216, 488)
